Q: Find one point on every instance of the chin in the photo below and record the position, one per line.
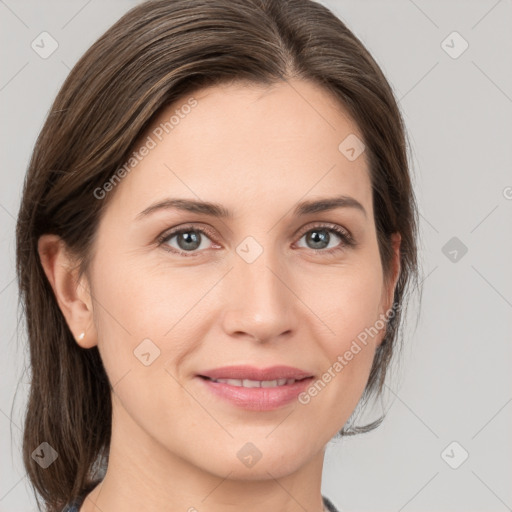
(264, 463)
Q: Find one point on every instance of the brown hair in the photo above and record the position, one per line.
(155, 54)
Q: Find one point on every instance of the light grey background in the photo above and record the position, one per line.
(454, 381)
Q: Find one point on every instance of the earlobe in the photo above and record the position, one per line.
(73, 297)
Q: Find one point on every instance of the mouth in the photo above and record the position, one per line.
(256, 389)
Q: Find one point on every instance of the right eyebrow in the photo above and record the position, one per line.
(189, 205)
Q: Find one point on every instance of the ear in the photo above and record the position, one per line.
(396, 240)
(73, 296)
(388, 294)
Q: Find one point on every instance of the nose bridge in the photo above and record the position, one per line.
(260, 302)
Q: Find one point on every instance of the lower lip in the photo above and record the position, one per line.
(258, 399)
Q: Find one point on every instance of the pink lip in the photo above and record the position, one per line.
(257, 399)
(253, 373)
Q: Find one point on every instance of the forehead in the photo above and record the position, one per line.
(242, 144)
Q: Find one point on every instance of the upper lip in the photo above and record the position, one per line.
(253, 373)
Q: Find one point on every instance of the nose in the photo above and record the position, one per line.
(260, 304)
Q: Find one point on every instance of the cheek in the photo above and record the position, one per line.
(146, 318)
(134, 302)
(349, 308)
(347, 301)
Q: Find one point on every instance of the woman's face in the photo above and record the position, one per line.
(271, 283)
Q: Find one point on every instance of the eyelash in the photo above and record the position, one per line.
(347, 241)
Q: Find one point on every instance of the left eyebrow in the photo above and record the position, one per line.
(217, 210)
(327, 204)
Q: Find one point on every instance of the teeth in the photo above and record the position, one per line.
(248, 383)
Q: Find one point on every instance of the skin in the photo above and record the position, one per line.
(258, 151)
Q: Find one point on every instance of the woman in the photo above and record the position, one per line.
(215, 241)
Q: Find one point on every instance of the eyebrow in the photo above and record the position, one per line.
(217, 210)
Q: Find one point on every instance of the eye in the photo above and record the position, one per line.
(189, 239)
(320, 237)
